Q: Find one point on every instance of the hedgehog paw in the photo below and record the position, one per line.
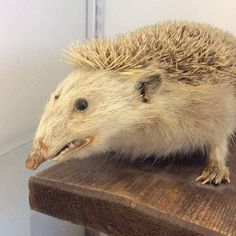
(214, 174)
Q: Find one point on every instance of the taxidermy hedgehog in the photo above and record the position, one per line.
(162, 89)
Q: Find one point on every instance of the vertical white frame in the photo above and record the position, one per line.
(95, 19)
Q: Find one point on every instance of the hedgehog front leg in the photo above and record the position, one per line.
(216, 170)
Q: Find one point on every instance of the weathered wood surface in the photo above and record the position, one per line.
(120, 198)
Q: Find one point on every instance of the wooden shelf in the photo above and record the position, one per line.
(120, 198)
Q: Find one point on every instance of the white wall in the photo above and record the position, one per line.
(125, 15)
(32, 35)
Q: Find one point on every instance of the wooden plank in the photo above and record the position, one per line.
(141, 198)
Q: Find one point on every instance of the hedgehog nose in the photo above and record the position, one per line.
(33, 161)
(36, 156)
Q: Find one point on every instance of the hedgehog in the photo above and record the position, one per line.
(160, 90)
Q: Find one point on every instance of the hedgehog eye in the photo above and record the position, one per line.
(81, 104)
(56, 96)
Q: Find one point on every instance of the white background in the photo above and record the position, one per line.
(125, 15)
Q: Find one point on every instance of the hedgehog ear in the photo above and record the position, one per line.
(148, 85)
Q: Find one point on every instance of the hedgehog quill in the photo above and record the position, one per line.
(162, 89)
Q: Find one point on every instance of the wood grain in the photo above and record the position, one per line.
(142, 198)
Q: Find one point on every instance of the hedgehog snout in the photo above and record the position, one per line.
(37, 155)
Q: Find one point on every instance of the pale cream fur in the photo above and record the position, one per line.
(179, 117)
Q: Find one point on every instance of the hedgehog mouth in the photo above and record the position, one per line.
(34, 160)
(71, 147)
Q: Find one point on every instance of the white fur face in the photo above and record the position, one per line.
(176, 118)
(112, 107)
